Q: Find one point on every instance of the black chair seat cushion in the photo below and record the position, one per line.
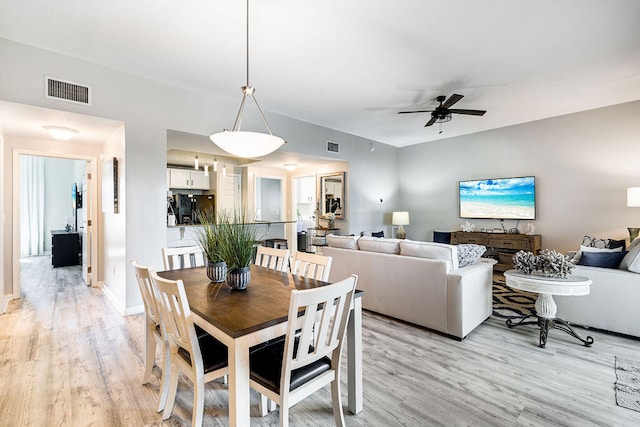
(214, 353)
(266, 366)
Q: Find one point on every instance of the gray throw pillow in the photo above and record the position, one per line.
(469, 254)
(631, 260)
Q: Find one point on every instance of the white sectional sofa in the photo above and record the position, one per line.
(613, 303)
(418, 282)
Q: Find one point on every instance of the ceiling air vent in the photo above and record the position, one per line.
(333, 147)
(67, 91)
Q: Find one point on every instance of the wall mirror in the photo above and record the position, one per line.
(332, 194)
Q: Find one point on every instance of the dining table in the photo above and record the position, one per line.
(242, 319)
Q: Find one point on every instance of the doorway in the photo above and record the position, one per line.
(54, 196)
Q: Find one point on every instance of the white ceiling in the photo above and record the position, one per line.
(351, 65)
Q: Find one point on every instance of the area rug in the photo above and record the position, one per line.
(509, 303)
(628, 383)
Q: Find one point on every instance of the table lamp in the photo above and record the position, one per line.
(400, 219)
(633, 201)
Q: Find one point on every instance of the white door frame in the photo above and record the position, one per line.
(93, 168)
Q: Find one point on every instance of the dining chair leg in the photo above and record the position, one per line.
(173, 389)
(198, 403)
(150, 353)
(164, 380)
(337, 401)
(263, 405)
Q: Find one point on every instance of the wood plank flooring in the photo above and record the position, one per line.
(67, 358)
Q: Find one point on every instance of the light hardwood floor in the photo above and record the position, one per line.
(68, 358)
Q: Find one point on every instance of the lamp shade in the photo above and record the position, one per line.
(633, 197)
(246, 144)
(400, 218)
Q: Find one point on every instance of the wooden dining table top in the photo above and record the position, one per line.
(264, 303)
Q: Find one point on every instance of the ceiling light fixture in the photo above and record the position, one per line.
(224, 170)
(61, 133)
(215, 164)
(290, 166)
(196, 162)
(206, 169)
(242, 143)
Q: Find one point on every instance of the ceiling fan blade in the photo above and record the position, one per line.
(418, 111)
(469, 112)
(432, 121)
(452, 100)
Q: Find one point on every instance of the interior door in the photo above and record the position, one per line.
(230, 198)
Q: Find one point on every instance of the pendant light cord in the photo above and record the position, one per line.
(247, 42)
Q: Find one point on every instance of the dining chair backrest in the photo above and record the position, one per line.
(324, 339)
(176, 315)
(312, 266)
(147, 291)
(275, 259)
(183, 257)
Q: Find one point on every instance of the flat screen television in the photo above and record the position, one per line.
(499, 198)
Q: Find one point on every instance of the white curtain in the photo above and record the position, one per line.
(31, 205)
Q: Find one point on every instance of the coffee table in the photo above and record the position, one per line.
(546, 287)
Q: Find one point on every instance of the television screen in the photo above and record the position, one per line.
(501, 198)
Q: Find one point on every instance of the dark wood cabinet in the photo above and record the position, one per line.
(66, 248)
(501, 245)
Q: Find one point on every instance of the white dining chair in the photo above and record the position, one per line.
(200, 358)
(154, 332)
(275, 259)
(183, 257)
(312, 266)
(290, 369)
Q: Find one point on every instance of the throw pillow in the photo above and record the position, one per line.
(631, 260)
(596, 242)
(469, 254)
(442, 237)
(344, 242)
(602, 259)
(377, 234)
(576, 258)
(376, 244)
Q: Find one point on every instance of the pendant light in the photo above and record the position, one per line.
(242, 143)
(196, 162)
(215, 164)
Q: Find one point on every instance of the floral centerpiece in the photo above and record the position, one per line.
(549, 262)
(331, 219)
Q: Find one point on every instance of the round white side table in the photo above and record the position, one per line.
(546, 288)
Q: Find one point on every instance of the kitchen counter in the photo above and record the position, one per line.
(186, 234)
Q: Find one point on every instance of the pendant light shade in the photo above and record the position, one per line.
(247, 144)
(242, 143)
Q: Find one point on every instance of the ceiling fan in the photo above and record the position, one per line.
(442, 113)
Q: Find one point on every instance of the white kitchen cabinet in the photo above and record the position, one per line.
(306, 189)
(187, 178)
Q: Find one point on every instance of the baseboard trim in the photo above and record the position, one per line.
(124, 311)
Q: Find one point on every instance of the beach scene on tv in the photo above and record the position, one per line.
(508, 198)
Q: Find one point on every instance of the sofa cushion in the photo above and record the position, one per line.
(631, 260)
(602, 259)
(469, 254)
(344, 242)
(377, 233)
(437, 251)
(596, 242)
(576, 258)
(377, 244)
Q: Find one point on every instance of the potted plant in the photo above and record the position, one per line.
(208, 236)
(238, 234)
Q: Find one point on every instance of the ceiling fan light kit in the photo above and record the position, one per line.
(443, 113)
(242, 143)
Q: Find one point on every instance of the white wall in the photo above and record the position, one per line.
(148, 109)
(583, 164)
